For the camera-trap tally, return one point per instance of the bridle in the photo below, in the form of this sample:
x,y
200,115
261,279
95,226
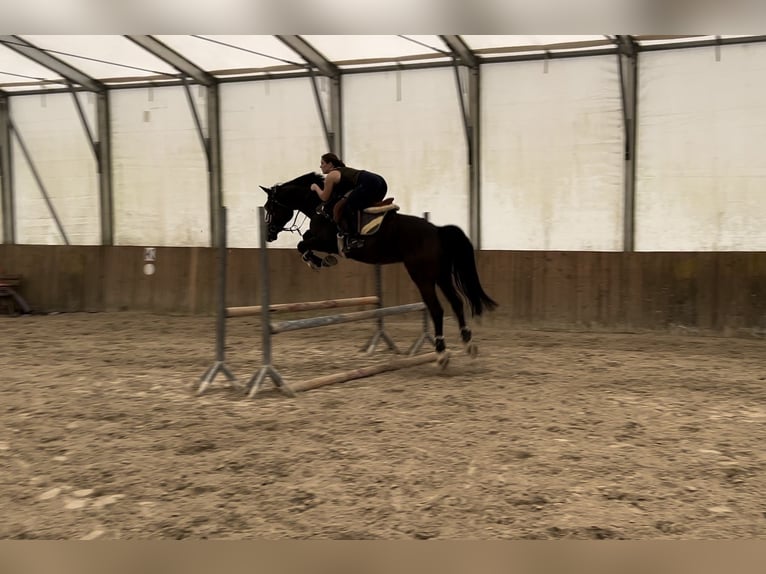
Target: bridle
x,y
294,227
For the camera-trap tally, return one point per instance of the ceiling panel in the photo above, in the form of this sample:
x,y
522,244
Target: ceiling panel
x,y
17,71
214,53
113,59
103,57
343,48
488,42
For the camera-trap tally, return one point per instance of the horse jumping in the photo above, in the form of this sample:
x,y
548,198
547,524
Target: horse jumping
x,y
432,255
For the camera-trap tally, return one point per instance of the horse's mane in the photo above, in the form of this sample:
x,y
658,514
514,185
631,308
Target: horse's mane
x,y
305,180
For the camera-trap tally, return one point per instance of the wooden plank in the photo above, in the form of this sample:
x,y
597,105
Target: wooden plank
x,y
312,322
718,291
302,306
364,372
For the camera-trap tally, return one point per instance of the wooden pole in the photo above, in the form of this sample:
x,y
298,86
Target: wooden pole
x,y
296,324
302,306
363,372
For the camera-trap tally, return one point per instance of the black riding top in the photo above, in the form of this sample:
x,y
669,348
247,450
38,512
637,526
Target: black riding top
x,y
349,177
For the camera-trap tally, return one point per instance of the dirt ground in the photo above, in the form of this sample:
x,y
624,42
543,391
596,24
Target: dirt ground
x,y
545,435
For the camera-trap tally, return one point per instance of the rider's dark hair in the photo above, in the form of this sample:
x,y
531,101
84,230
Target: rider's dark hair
x,y
333,159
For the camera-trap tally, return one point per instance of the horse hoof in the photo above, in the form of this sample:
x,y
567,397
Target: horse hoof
x,y
443,359
329,261
472,350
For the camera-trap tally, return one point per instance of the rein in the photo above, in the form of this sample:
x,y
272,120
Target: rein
x,y
294,226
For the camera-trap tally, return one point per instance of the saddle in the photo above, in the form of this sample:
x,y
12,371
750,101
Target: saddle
x,y
369,219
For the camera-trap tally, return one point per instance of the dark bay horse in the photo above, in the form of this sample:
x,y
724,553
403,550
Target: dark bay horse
x,y
432,255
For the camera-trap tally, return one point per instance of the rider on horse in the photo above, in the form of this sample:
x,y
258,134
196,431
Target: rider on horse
x,y
351,190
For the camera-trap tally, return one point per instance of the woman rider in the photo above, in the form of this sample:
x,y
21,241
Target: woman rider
x,y
353,189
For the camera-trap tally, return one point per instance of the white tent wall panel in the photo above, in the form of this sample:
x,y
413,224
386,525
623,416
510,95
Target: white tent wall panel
x,y
160,183
552,155
701,170
52,132
271,132
407,126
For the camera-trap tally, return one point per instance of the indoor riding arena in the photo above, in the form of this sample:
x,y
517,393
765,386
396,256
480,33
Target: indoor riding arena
x,y
167,373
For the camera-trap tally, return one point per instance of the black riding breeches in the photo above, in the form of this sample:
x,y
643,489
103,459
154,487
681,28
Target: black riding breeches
x,y
370,188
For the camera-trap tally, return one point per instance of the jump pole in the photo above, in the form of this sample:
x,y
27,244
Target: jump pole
x,y
303,306
219,366
364,372
311,322
267,370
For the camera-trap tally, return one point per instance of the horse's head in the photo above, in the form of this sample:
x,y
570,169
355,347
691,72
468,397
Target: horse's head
x,y
277,213
285,198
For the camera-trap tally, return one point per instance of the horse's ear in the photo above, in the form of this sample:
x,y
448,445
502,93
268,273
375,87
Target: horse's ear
x,y
266,189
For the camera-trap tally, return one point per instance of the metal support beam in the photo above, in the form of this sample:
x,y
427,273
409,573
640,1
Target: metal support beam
x,y
311,55
6,173
104,162
215,185
331,116
197,120
100,145
211,143
18,44
474,155
702,43
39,180
469,97
328,135
336,115
627,60
84,122
170,56
461,50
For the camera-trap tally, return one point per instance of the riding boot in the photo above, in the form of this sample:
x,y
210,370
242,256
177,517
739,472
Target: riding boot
x,y
353,239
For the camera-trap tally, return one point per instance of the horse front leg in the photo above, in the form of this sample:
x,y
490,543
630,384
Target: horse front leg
x,y
311,259
307,246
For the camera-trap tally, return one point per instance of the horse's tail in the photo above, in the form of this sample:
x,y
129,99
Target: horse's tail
x,y
459,249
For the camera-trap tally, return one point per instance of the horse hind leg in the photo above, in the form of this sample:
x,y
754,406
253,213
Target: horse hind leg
x,y
427,288
448,288
470,347
437,316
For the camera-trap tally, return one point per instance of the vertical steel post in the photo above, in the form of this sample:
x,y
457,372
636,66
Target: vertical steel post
x,y
474,152
6,173
215,179
104,160
627,61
